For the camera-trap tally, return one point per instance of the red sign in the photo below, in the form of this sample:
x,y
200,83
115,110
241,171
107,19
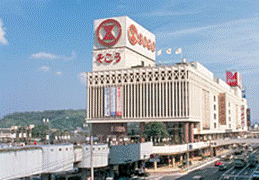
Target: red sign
x,y
108,32
135,37
118,129
108,57
233,79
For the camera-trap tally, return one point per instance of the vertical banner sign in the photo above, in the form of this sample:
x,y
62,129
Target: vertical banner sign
x,y
113,101
119,101
107,102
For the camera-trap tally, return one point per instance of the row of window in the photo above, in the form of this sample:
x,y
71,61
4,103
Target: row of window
x,y
97,148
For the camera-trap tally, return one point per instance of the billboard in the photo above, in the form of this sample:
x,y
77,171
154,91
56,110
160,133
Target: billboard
x,y
233,79
222,108
124,32
119,101
113,101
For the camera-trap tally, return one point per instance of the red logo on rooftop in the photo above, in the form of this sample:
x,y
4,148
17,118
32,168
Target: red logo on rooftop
x,y
108,32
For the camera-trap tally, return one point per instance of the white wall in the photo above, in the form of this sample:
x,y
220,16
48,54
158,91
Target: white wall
x,y
100,156
19,162
58,158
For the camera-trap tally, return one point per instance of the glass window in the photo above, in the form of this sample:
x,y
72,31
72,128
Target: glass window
x,y
215,108
215,125
215,116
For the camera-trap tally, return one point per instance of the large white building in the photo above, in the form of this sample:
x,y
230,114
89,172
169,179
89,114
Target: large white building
x,y
127,86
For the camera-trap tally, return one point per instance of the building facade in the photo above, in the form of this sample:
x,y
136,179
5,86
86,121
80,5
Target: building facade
x,y
126,86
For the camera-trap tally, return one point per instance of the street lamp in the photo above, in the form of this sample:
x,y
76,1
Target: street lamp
x,y
46,121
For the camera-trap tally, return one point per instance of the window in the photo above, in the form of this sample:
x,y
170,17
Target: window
x,y
229,126
60,149
215,108
215,116
229,119
228,104
66,149
52,150
215,125
99,148
214,98
229,111
86,149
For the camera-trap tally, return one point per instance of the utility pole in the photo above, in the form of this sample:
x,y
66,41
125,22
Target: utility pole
x,y
187,156
91,159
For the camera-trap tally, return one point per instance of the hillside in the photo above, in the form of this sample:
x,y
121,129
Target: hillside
x,y
60,119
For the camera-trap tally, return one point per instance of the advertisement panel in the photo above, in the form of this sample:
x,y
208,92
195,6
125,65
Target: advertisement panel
x,y
118,129
124,32
113,101
233,78
107,102
222,108
119,101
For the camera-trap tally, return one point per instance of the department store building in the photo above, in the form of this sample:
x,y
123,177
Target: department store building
x,y
126,86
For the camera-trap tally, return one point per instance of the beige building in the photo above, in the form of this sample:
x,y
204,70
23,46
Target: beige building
x,y
187,97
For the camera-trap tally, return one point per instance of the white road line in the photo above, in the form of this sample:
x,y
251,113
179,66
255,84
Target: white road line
x,y
241,171
225,173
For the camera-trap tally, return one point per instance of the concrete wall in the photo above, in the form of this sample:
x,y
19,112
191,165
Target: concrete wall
x,y
19,162
100,156
57,158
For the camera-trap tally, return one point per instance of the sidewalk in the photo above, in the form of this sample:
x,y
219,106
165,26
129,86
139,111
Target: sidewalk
x,y
176,169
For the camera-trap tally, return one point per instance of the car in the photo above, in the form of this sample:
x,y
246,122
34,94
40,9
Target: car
x,y
218,163
197,177
255,175
224,166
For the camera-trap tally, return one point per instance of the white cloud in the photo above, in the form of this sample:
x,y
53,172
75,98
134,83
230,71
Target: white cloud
x,y
59,73
82,77
43,55
44,68
3,40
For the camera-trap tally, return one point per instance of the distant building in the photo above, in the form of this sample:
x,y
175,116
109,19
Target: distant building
x,y
126,86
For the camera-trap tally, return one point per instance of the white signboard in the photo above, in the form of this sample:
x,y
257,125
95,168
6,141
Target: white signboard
x,y
107,102
124,32
119,101
113,101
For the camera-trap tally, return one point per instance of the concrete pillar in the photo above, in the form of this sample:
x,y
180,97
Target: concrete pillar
x,y
173,161
181,159
186,132
155,165
191,132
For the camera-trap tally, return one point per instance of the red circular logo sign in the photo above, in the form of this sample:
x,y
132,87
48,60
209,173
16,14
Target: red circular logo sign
x,y
108,32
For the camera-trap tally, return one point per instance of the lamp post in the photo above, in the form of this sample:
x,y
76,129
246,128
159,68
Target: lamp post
x,y
48,123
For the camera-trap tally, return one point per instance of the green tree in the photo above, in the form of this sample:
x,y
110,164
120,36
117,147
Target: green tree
x,y
156,130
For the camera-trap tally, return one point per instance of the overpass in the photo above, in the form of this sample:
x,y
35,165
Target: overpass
x,y
18,162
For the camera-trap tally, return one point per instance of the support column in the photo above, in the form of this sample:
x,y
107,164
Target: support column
x,y
181,159
191,132
155,165
141,130
173,161
186,132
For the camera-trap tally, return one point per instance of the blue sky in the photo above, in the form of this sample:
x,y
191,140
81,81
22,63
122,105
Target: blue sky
x,y
45,45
